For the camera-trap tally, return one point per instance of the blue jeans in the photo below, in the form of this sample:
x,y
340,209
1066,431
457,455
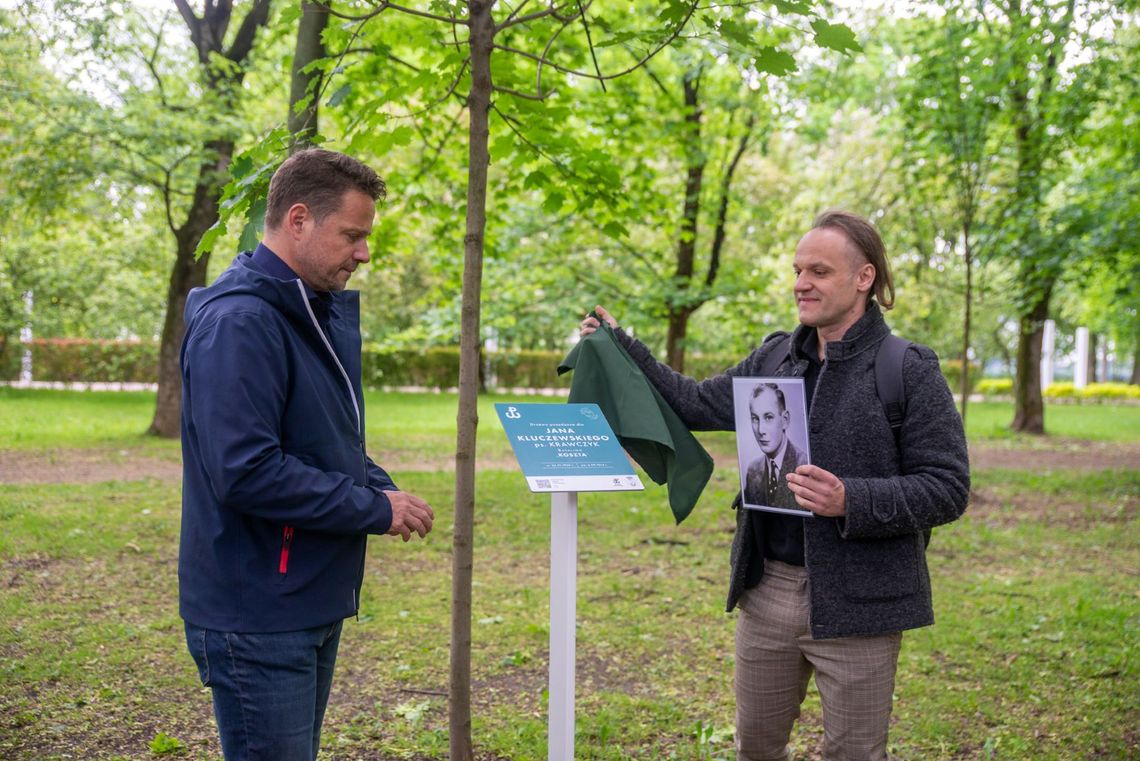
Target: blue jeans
x,y
270,690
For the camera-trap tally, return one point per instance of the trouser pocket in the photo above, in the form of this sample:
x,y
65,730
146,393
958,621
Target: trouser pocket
x,y
196,644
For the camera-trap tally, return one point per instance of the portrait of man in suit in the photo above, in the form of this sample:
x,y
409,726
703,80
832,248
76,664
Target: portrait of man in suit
x,y
765,483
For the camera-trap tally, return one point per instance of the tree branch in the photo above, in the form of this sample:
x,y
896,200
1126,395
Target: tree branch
x,y
510,20
540,97
192,22
722,210
257,16
422,14
587,75
590,43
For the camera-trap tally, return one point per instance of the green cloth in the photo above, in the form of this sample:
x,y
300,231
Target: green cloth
x,y
645,424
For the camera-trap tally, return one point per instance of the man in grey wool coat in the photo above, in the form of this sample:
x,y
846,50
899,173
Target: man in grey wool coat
x,y
831,593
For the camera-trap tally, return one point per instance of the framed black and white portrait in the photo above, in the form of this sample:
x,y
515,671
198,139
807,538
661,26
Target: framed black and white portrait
x,y
771,440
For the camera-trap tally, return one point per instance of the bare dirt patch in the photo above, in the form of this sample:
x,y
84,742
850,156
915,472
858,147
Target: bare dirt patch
x,y
76,466
83,466
1056,454
98,465
1000,507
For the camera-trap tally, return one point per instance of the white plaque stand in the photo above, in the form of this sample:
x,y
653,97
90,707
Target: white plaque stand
x,y
564,449
563,592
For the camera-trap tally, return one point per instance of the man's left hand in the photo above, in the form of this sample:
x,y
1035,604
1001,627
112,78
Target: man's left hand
x,y
817,490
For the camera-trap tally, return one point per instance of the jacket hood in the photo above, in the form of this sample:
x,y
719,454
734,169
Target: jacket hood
x,y
243,277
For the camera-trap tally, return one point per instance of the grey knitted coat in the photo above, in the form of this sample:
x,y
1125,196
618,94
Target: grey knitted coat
x,y
868,569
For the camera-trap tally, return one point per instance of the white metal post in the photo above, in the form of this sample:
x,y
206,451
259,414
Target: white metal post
x,y
26,340
1081,363
563,592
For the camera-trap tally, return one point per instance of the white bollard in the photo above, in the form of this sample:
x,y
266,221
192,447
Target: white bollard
x,y
26,340
1048,342
1081,368
563,591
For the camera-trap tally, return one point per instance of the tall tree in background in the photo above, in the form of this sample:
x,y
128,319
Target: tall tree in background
x,y
683,299
949,119
223,68
1046,100
306,75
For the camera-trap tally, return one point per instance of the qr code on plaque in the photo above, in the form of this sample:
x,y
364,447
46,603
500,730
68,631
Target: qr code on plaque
x,y
541,483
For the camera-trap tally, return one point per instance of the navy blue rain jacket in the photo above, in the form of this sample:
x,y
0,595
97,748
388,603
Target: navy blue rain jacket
x,y
278,493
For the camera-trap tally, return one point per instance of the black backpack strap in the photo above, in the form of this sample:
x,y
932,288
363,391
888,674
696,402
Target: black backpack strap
x,y
781,350
889,381
890,387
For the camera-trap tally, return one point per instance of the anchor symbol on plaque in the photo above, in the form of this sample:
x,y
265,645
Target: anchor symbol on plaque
x,y
512,413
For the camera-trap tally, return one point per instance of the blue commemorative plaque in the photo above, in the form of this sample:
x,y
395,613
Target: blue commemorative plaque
x,y
567,448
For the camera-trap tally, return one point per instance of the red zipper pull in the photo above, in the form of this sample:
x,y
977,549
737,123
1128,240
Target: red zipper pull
x,y
286,541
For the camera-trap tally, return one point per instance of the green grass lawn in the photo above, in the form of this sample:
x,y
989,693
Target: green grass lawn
x,y
424,424
1033,655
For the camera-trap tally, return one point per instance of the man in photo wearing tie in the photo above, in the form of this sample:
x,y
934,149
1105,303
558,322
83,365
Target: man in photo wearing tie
x,y
765,484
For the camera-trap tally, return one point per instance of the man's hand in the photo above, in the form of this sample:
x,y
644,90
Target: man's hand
x,y
819,491
409,513
589,324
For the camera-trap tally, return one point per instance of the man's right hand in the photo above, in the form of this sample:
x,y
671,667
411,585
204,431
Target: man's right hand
x,y
409,513
589,324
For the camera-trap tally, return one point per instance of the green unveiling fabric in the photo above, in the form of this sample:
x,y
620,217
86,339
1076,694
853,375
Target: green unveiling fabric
x,y
645,424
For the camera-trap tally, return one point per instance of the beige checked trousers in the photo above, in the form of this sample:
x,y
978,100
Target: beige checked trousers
x,y
775,657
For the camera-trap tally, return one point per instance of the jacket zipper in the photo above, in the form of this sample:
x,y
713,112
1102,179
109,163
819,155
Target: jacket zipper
x,y
335,359
286,543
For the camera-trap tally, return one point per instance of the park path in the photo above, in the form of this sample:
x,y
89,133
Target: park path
x,y
99,465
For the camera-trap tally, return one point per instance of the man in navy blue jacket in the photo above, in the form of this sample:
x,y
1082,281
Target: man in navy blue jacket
x,y
279,495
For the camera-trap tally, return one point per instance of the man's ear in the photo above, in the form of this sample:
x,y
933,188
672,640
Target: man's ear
x,y
865,277
295,218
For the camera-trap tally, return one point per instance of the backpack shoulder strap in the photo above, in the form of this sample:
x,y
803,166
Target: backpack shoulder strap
x,y
781,350
889,380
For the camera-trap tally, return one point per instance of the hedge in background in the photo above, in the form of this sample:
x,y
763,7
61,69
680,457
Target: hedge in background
x,y
1066,391
84,360
87,360
11,353
1096,392
432,368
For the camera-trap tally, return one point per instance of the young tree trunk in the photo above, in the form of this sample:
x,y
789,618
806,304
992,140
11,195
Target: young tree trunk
x,y
188,272
1029,412
310,47
675,339
1135,379
678,308
1090,360
965,390
480,40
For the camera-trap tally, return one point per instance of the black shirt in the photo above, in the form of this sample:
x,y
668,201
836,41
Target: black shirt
x,y
780,536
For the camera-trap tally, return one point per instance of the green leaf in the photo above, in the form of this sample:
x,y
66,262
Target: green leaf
x,y
254,226
835,36
164,744
501,148
615,230
402,135
341,93
554,203
793,6
210,238
774,61
291,14
536,179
